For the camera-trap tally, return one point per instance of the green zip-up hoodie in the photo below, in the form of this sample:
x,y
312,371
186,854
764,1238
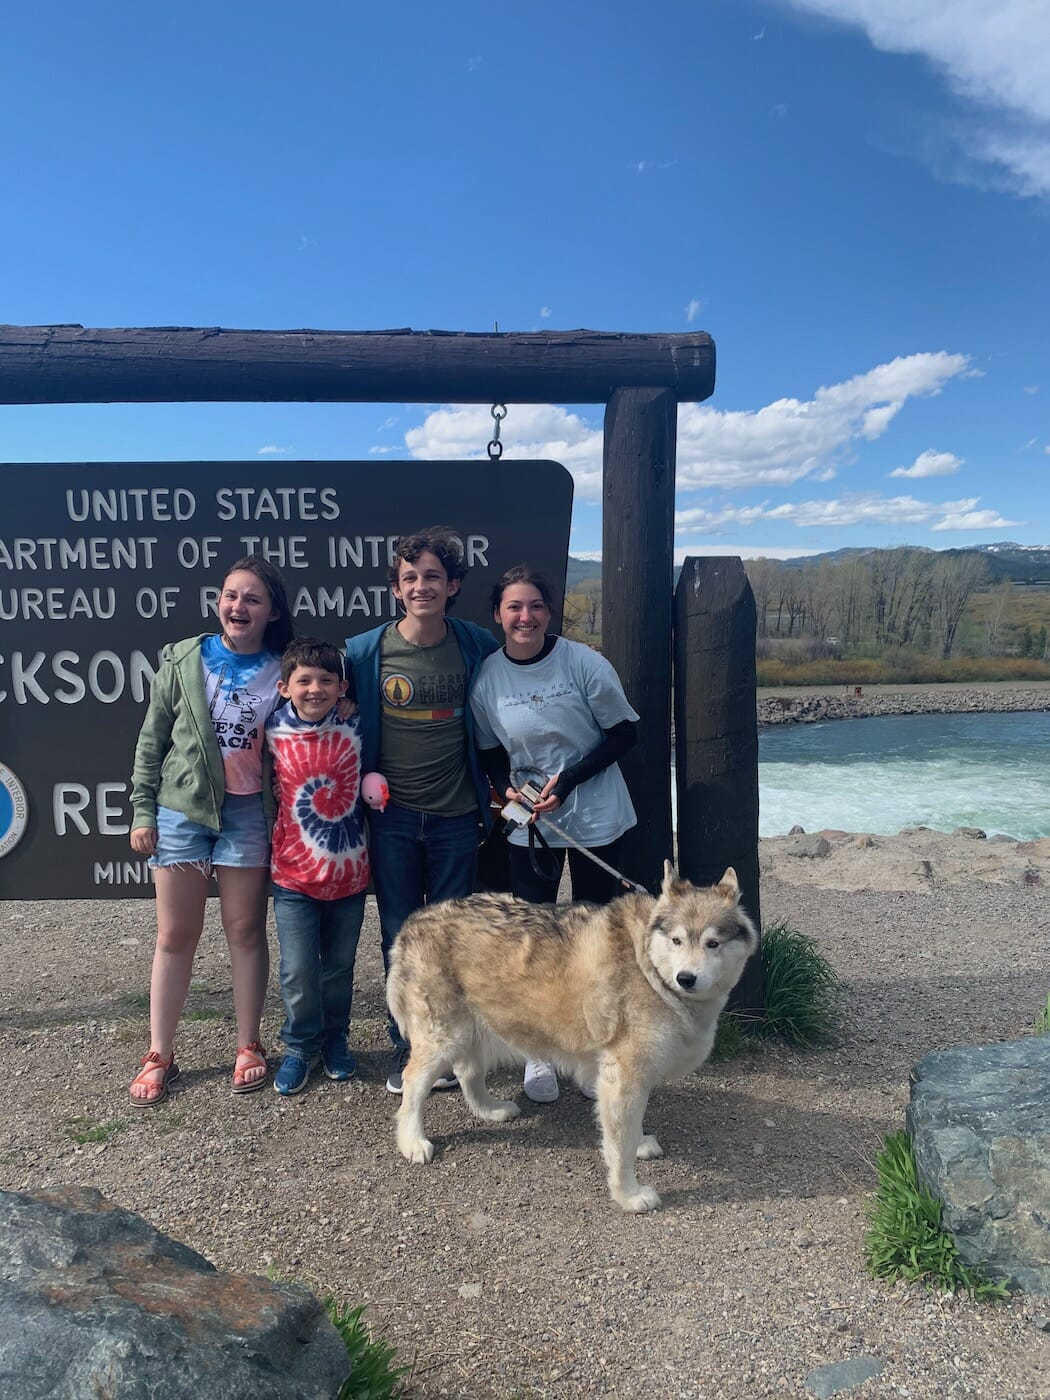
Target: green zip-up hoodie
x,y
177,760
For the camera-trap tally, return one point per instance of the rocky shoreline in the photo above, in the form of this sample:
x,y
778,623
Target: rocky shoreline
x,y
813,706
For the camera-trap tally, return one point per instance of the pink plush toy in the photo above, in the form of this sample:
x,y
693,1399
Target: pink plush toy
x,y
374,791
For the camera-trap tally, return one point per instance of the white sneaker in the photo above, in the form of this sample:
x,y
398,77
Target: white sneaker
x,y
541,1082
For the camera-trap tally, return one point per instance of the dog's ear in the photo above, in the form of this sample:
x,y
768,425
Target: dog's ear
x,y
729,886
669,877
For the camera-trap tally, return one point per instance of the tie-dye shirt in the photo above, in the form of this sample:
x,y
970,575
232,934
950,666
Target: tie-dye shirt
x,y
319,835
242,694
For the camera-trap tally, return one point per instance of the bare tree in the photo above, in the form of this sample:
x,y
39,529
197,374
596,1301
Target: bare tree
x,y
1002,597
953,579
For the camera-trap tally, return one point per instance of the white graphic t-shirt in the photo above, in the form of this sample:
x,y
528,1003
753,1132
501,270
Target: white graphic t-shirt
x,y
550,714
242,694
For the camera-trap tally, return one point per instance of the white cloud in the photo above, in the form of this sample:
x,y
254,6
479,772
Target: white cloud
x,y
930,463
791,438
693,308
272,450
545,312
529,430
975,520
856,508
1031,388
740,551
779,445
992,55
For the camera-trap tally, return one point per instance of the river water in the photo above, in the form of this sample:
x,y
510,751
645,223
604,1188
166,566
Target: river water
x,y
879,775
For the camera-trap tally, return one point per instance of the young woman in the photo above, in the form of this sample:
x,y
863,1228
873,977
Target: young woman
x,y
198,808
554,711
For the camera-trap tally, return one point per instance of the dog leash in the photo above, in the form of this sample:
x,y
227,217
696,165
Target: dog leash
x,y
558,831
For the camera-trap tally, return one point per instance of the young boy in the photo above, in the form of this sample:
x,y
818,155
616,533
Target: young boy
x,y
412,680
319,861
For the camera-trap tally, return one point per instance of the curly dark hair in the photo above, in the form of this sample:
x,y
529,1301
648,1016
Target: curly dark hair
x,y
441,541
280,631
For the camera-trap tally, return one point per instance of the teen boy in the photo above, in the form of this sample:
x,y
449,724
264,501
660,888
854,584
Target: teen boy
x,y
412,679
319,861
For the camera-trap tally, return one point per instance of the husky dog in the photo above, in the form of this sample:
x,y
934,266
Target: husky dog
x,y
622,996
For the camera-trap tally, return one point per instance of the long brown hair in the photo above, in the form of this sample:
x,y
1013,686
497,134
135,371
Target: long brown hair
x,y
279,632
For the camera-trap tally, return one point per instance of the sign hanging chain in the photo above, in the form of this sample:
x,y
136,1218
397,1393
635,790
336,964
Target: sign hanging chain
x,y
495,449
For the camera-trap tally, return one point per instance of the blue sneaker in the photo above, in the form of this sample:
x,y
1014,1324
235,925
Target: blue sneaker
x,y
336,1060
294,1072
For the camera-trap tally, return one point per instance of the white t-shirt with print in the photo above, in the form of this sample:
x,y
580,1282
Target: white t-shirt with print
x,y
548,715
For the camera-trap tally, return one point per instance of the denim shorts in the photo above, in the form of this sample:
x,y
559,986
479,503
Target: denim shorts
x,y
244,840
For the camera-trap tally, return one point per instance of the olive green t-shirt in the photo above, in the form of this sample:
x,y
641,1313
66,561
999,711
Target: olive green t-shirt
x,y
423,739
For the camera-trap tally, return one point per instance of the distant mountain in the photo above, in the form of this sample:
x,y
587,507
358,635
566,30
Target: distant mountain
x,y
1023,563
581,571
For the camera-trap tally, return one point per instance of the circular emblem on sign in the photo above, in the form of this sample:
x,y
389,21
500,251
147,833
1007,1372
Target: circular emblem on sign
x,y
14,810
398,691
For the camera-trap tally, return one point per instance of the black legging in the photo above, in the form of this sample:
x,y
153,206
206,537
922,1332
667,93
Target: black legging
x,y
589,881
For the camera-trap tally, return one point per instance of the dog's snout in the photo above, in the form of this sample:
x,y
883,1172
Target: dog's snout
x,y
686,980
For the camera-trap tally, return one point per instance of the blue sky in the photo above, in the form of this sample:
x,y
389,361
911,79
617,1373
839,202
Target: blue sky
x,y
851,196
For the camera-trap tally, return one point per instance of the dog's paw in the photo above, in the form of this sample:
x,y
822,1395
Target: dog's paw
x,y
419,1151
503,1110
648,1148
638,1202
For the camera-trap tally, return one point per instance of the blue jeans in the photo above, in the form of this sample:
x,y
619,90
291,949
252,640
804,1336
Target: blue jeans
x,y
318,939
417,858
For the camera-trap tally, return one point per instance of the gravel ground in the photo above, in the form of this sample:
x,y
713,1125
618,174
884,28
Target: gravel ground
x,y
503,1270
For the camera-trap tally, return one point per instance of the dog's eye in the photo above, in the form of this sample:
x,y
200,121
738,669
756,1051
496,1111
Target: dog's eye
x,y
676,940
712,943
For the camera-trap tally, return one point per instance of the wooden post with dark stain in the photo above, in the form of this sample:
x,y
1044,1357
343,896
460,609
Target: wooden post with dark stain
x,y
178,364
637,532
716,738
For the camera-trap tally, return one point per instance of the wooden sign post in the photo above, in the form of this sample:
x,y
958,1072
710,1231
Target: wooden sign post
x,y
716,738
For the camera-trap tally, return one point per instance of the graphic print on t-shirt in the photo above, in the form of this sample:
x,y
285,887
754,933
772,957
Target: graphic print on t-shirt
x,y
241,692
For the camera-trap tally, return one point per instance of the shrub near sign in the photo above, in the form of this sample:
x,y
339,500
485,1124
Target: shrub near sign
x,y
102,564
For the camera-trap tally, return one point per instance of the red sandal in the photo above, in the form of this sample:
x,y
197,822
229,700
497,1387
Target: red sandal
x,y
151,1064
254,1057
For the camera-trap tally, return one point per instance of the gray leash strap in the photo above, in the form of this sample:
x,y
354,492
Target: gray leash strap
x,y
639,889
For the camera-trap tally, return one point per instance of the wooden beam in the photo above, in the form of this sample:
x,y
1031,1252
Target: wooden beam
x,y
716,738
168,364
637,531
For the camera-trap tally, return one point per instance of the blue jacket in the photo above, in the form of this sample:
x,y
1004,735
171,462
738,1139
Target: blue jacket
x,y
362,656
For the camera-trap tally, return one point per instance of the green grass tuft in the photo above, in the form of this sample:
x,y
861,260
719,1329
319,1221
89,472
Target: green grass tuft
x,y
83,1131
1042,1021
802,991
905,1239
373,1375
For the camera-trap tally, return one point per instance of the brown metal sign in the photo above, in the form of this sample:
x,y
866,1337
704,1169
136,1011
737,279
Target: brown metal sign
x,y
101,564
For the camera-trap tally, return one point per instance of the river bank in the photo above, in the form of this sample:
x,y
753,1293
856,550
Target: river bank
x,y
816,704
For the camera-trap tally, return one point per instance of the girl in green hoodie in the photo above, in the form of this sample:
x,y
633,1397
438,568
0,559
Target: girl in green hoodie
x,y
197,797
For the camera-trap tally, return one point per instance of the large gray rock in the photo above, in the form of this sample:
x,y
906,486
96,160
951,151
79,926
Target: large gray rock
x,y
96,1303
979,1119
